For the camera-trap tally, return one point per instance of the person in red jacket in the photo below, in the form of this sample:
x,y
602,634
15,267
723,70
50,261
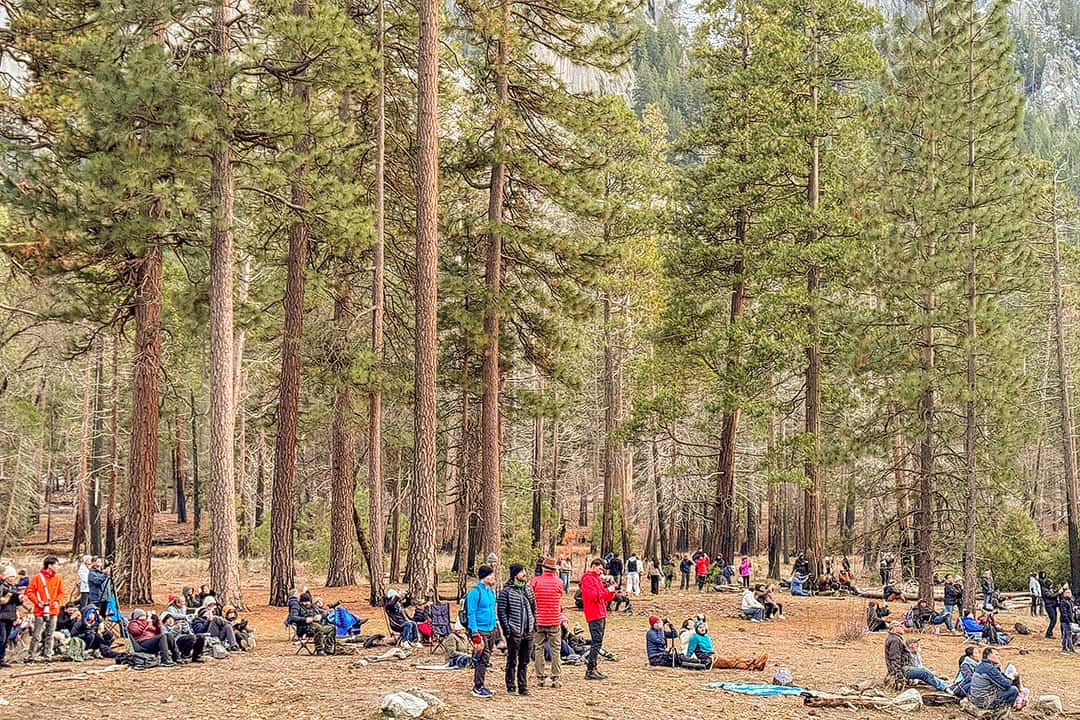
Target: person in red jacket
x,y
45,593
149,636
548,591
597,590
701,565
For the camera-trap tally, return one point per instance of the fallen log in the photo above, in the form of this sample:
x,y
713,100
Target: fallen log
x,y
852,702
42,671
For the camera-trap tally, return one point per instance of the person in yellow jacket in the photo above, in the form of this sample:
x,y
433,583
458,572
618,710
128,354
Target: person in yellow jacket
x,y
45,593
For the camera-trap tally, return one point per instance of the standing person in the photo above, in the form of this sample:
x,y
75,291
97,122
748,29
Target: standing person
x,y
846,564
10,601
652,569
596,592
954,595
84,582
45,592
515,609
701,567
1066,617
565,568
987,587
1050,603
99,586
685,566
1035,591
480,613
883,568
548,591
633,575
745,568
615,569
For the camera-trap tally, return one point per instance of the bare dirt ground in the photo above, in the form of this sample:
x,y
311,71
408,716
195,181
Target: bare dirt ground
x,y
273,682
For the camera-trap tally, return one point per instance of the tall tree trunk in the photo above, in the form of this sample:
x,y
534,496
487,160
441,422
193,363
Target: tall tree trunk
x,y
342,564
179,472
283,505
421,560
196,497
81,529
395,521
924,509
97,454
900,490
260,479
490,439
243,480
1064,382
612,448
462,504
537,478
145,396
376,481
560,522
114,450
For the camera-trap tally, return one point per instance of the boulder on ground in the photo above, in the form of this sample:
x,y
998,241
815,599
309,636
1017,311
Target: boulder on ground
x,y
412,703
909,701
1049,705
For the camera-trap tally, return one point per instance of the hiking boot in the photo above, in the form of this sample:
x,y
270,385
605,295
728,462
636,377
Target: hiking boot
x,y
594,675
541,682
483,692
556,683
523,691
512,689
199,659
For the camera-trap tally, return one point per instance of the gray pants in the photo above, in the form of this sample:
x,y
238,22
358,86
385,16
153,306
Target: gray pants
x,y
43,624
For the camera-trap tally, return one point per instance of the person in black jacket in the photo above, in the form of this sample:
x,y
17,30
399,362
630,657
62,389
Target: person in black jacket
x,y
10,600
954,596
1050,603
1067,615
99,585
515,609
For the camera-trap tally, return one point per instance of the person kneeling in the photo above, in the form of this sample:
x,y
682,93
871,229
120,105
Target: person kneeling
x,y
656,647
700,648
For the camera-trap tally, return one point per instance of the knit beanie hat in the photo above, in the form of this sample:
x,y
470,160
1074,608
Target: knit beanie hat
x,y
653,620
483,571
138,613
514,570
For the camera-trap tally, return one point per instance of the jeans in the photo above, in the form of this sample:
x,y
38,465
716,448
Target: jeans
x,y
685,584
633,583
5,632
950,610
482,658
518,654
944,618
1035,604
551,634
44,627
564,575
159,645
1066,637
1005,698
1051,614
654,584
409,633
596,635
924,675
754,614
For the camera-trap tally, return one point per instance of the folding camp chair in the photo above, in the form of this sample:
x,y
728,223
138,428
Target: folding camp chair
x,y
347,626
304,641
440,623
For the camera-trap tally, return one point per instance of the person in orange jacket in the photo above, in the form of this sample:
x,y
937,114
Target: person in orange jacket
x,y
45,593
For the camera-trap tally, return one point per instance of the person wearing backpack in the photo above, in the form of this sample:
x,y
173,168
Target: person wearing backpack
x,y
633,575
480,620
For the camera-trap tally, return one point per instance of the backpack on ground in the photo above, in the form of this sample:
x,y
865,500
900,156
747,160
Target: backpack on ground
x,y
76,650
216,648
1021,629
138,660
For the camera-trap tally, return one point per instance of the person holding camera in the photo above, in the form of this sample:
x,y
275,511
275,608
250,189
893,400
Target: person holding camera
x,y
597,590
45,591
10,600
98,580
656,646
149,636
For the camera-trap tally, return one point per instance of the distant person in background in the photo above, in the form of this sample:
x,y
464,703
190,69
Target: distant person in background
x,y
652,570
84,582
1035,592
633,575
685,566
701,566
1050,603
99,586
954,595
1066,616
565,569
987,587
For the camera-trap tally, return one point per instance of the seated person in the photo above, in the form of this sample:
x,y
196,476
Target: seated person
x,y
204,592
843,581
992,632
456,647
892,594
400,622
620,599
207,621
922,614
768,599
798,585
244,634
148,636
189,644
990,687
826,583
686,631
752,607
876,613
961,686
700,648
422,617
309,622
656,647
903,662
177,608
89,630
802,565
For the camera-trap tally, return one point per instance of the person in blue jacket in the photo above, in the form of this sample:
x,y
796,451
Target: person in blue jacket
x,y
991,688
480,615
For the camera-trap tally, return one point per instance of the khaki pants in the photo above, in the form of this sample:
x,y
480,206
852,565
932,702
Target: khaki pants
x,y
553,635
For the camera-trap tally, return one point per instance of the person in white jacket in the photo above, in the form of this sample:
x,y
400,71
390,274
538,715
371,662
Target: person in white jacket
x,y
1035,590
751,607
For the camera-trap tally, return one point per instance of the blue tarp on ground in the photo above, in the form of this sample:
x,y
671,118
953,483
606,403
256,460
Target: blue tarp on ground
x,y
758,689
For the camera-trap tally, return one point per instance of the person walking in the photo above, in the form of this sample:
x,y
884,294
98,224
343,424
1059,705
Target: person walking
x,y
652,569
597,591
84,582
45,592
633,575
480,614
745,568
548,592
515,609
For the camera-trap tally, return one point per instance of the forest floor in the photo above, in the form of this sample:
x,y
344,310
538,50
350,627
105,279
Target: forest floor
x,y
274,682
